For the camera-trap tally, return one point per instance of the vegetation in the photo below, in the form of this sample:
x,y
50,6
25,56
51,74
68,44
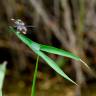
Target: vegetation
x,y
37,48
65,24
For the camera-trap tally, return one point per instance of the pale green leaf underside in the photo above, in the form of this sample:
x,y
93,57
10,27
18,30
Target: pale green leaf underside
x,y
2,74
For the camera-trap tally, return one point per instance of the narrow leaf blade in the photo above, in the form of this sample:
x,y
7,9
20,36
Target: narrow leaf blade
x,y
53,65
57,51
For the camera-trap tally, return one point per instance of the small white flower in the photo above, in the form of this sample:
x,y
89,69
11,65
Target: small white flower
x,y
20,25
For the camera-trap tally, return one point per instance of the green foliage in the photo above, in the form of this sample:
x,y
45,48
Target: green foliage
x,y
53,65
38,48
2,75
34,78
57,51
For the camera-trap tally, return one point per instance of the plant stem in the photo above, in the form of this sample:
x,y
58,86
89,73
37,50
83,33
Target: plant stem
x,y
34,78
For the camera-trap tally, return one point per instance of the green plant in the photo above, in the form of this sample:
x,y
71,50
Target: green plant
x,y
34,78
2,75
38,48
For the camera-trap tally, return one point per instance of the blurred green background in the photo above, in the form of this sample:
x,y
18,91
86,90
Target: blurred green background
x,y
66,24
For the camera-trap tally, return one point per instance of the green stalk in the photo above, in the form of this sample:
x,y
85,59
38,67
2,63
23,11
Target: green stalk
x,y
34,78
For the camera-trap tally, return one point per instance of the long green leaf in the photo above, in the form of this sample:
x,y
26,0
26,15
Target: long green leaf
x,y
61,52
57,51
53,65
